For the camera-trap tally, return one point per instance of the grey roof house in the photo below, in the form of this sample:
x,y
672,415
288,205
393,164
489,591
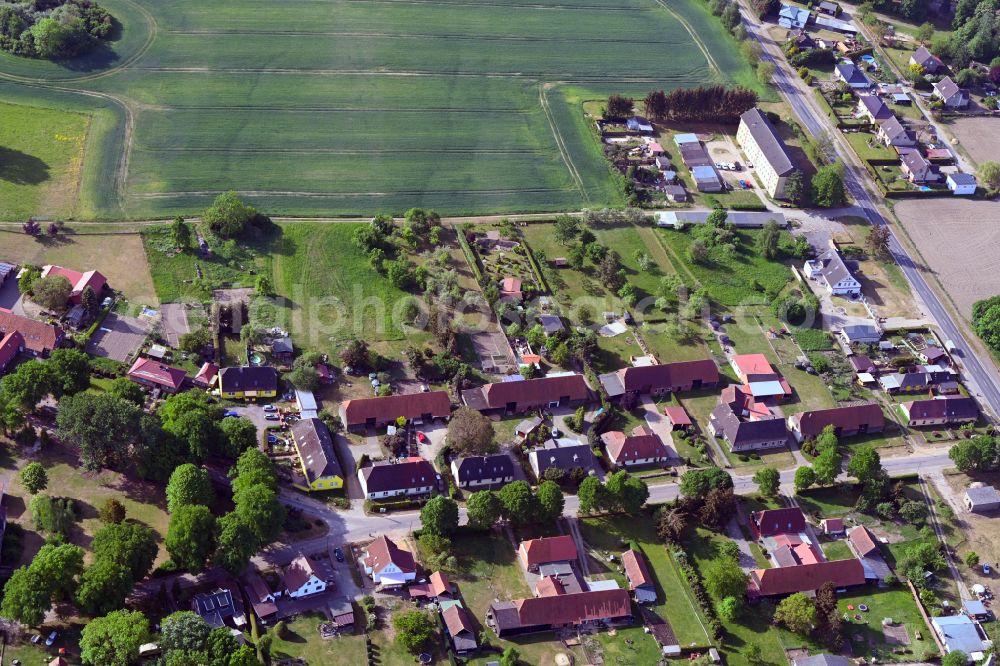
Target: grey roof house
x,y
892,133
982,498
747,435
852,76
829,269
930,62
948,92
564,454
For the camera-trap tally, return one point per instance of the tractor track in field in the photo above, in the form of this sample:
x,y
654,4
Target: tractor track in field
x,y
694,37
528,76
563,152
512,5
416,35
327,195
344,151
336,109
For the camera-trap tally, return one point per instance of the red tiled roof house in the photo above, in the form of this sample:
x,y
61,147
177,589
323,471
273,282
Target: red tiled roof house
x,y
536,552
565,611
79,281
642,447
519,396
388,564
377,412
847,421
11,344
39,338
640,580
154,374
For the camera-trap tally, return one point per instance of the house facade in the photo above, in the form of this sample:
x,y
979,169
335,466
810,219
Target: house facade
x,y
378,412
640,580
640,448
830,270
247,382
301,579
948,92
940,411
661,379
766,150
414,477
582,610
847,421
564,454
520,395
478,472
388,564
981,499
318,461
961,184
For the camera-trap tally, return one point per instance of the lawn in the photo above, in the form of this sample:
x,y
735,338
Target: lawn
x,y
303,642
868,147
341,108
896,603
126,267
730,280
833,502
837,550
754,624
611,535
144,502
41,152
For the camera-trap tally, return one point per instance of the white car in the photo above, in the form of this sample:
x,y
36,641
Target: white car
x,y
270,408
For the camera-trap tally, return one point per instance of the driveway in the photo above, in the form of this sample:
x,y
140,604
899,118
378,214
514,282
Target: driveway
x,y
660,425
436,433
348,456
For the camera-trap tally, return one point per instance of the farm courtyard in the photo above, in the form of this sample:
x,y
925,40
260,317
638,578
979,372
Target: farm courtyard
x,y
348,107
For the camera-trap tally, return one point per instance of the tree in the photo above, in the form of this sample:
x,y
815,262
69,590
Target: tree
x,y
112,511
252,468
240,434
655,105
26,597
191,536
101,426
180,233
795,187
866,466
258,506
697,252
34,478
610,271
228,216
972,559
626,493
697,483
955,658
510,657
184,631
132,545
978,454
753,654
53,515
104,587
828,186
618,106
69,372
439,516
550,501
729,608
768,480
718,508
196,341
189,484
827,467
471,433
877,242
593,495
88,301
51,292
724,578
414,630
797,612
237,543
483,509
671,523
519,504
925,32
114,640
59,566
127,390
989,173
565,229
804,477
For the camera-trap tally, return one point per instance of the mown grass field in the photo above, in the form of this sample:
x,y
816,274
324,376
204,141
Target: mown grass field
x,y
41,152
349,107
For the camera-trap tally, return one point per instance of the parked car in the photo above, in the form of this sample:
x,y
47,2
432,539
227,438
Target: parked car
x,y
422,438
743,184
51,639
270,408
986,569
271,417
339,554
271,439
230,412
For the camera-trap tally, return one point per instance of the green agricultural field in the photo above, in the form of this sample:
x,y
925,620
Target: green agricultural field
x,y
346,107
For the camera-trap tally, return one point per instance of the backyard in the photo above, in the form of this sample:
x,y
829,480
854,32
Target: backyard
x,y
302,641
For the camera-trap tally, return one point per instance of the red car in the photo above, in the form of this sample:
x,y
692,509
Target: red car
x,y
422,438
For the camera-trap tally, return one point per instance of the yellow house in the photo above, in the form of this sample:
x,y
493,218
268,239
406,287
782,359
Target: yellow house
x,y
320,468
246,383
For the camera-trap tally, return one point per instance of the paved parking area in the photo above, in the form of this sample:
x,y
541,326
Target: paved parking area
x,y
119,337
174,323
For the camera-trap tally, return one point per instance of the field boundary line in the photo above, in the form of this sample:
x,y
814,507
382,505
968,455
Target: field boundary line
x,y
563,152
291,193
694,37
406,35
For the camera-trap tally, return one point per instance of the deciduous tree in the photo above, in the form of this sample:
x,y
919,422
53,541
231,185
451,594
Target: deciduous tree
x,y
102,426
34,478
114,640
471,433
415,630
724,578
229,216
519,504
51,292
768,480
804,477
191,536
483,509
439,516
550,501
797,612
189,484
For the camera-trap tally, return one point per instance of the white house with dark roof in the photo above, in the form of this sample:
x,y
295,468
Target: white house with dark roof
x,y
830,270
917,168
873,108
893,133
764,147
849,73
948,92
961,184
477,472
301,579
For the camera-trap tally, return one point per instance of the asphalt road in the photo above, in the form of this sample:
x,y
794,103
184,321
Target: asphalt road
x,y
817,124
